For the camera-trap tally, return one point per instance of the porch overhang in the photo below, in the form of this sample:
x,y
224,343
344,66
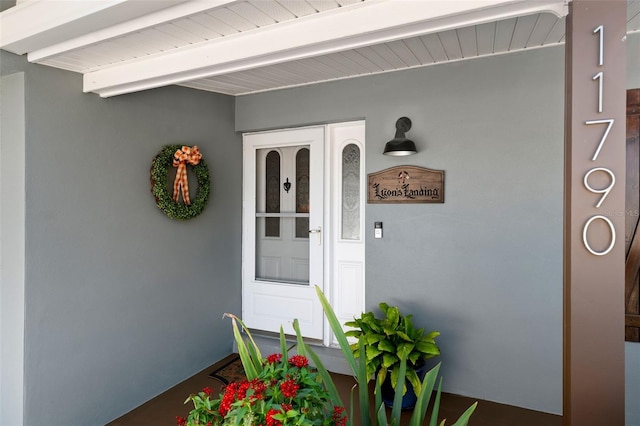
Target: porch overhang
x,y
95,38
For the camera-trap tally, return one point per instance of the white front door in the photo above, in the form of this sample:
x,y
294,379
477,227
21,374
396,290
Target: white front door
x,y
283,225
303,214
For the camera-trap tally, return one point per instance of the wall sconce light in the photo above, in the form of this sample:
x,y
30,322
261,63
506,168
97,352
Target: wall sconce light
x,y
400,145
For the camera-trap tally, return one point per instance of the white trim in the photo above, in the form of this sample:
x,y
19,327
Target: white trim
x,y
327,289
127,27
35,24
12,249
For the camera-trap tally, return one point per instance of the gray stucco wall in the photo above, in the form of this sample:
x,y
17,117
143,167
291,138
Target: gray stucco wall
x,y
485,267
121,301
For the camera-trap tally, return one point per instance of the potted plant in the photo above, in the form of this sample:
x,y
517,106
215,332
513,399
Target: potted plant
x,y
385,341
275,377
358,367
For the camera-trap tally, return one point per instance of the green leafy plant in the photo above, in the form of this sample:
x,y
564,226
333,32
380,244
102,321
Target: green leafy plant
x,y
279,390
386,340
359,370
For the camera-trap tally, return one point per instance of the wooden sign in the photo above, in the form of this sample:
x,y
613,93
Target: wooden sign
x,y
406,184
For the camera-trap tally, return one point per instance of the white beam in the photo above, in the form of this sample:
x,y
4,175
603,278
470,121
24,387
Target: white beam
x,y
166,15
337,30
35,24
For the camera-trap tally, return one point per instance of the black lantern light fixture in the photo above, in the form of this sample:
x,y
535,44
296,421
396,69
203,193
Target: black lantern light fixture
x,y
400,145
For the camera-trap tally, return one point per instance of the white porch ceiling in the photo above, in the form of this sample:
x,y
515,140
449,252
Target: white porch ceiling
x,y
239,47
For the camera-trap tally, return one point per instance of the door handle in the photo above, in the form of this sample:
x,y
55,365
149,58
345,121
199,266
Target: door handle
x,y
318,231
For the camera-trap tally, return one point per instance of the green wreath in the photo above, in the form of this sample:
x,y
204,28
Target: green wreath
x,y
164,200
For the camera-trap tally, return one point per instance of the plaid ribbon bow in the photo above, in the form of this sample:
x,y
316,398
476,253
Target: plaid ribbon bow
x,y
190,155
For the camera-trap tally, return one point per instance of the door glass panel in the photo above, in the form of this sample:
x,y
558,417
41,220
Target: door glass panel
x,y
350,192
302,192
282,222
272,194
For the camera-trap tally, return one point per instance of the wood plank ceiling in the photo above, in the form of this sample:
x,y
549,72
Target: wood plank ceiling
x,y
178,31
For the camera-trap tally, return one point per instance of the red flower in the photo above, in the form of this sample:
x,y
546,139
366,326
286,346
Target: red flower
x,y
286,407
242,389
259,389
207,390
299,361
338,417
181,421
270,420
228,398
289,388
274,358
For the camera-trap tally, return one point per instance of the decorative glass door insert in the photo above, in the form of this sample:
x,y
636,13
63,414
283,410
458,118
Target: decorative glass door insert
x,y
282,214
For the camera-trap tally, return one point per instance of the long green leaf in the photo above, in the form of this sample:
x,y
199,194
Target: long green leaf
x,y
283,344
338,331
247,332
464,418
349,420
301,344
422,402
363,389
436,405
326,378
381,416
253,350
249,367
378,403
305,349
396,410
359,372
256,357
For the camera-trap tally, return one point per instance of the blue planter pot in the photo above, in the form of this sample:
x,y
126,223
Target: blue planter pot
x,y
410,398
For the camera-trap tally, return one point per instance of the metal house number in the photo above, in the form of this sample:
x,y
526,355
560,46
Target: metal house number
x,y
599,77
